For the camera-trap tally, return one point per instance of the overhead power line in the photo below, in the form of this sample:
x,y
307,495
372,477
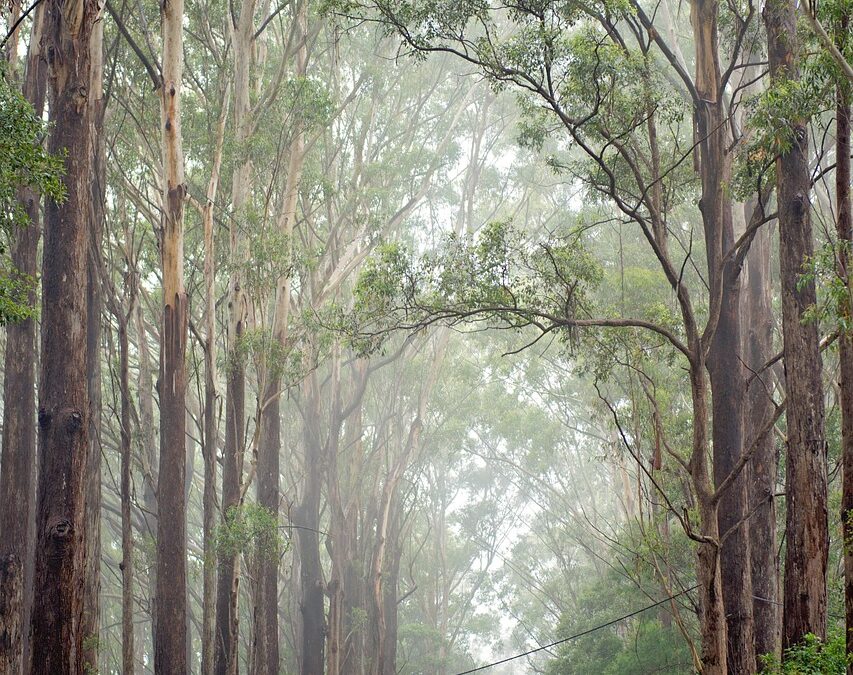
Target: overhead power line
x,y
577,635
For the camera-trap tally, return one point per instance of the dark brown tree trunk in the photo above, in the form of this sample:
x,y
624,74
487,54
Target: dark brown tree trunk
x,y
807,536
17,472
170,641
758,349
844,228
61,548
11,611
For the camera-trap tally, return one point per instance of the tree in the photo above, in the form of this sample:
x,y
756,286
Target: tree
x,y
61,547
170,641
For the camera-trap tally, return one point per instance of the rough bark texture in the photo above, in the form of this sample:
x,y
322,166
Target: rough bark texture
x,y
170,642
17,472
60,563
807,536
844,228
11,611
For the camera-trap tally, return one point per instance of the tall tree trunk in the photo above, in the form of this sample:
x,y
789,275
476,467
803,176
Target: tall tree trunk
x,y
724,361
758,349
225,652
211,434
844,228
91,603
266,649
17,472
61,547
807,535
170,642
307,516
126,566
148,460
11,611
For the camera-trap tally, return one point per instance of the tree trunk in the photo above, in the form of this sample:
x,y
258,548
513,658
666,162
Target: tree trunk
x,y
126,524
844,228
170,643
758,349
11,611
724,361
225,652
91,602
61,548
211,434
17,472
308,520
807,536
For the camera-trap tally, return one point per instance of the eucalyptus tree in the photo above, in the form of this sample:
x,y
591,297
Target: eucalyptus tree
x,y
61,537
640,172
18,467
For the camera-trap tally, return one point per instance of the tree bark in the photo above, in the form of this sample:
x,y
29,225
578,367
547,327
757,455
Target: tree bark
x,y
844,229
61,547
807,536
17,472
170,643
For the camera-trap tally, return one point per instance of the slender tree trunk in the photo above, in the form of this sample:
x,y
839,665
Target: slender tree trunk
x,y
308,519
211,434
17,472
807,535
266,656
225,652
170,642
758,349
844,228
91,603
126,566
61,546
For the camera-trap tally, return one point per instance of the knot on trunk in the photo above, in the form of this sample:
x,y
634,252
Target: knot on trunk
x,y
44,418
60,532
73,422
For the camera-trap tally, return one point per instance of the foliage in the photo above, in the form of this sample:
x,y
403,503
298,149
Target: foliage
x,y
495,277
811,657
246,525
24,163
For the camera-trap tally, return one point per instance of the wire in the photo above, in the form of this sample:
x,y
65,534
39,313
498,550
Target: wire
x,y
577,635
